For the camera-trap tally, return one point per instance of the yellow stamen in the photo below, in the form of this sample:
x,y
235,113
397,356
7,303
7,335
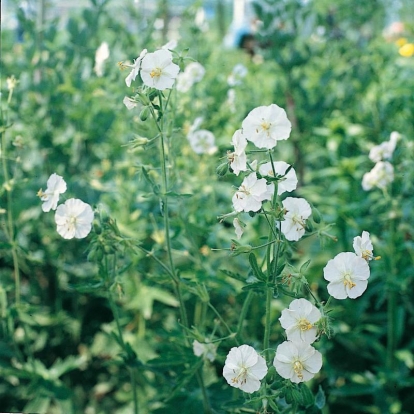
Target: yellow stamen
x,y
156,73
298,368
122,65
242,377
348,281
304,324
40,193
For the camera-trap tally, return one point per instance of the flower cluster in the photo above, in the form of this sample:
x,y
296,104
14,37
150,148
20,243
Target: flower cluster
x,y
348,272
264,127
383,172
74,217
295,358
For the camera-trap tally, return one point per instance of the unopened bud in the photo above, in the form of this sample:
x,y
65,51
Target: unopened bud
x,y
143,116
222,169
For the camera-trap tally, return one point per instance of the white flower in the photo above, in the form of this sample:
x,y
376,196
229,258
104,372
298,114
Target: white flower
x,y
55,185
237,158
395,137
238,73
384,150
196,71
195,125
101,54
244,368
288,183
184,83
202,142
297,361
251,193
171,45
74,219
380,176
348,275
158,70
135,68
238,228
192,74
297,211
299,321
129,103
206,350
363,246
266,125
231,100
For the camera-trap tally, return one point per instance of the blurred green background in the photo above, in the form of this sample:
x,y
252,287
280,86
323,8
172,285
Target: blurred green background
x,y
344,72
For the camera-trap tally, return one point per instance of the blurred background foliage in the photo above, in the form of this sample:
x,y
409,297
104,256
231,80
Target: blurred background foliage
x,y
335,66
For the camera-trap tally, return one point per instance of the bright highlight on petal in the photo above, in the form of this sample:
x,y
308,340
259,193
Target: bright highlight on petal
x,y
288,183
266,125
294,224
251,194
380,176
74,219
158,70
347,275
297,361
363,246
244,368
55,185
237,158
299,321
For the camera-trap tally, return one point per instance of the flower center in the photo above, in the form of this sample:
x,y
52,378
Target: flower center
x,y
156,73
298,220
367,255
304,324
298,368
244,190
348,280
266,126
231,156
242,376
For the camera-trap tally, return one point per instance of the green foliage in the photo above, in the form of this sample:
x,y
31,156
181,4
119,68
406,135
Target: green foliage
x,y
86,323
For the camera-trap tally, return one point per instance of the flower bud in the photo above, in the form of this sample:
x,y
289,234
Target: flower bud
x,y
143,116
222,169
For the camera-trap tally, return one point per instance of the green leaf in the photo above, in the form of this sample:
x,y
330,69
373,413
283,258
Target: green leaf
x,y
320,399
307,395
257,287
185,378
61,367
174,194
155,187
255,267
88,286
233,275
38,404
304,266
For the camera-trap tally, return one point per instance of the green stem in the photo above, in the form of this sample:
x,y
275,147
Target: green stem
x,y
175,278
10,226
220,318
243,314
266,339
391,302
115,313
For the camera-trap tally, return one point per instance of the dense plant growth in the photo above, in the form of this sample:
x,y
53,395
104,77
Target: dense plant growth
x,y
207,230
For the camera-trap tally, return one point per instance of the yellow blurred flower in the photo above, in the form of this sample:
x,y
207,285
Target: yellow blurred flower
x,y
401,41
407,50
